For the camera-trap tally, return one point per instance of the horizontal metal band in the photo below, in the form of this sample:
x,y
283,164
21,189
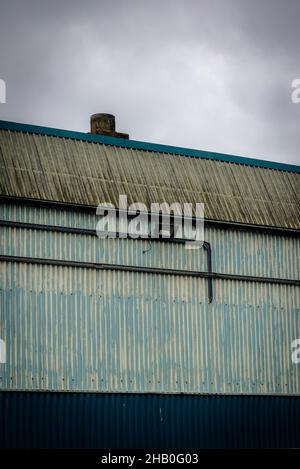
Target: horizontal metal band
x,y
84,231
151,270
88,232
275,230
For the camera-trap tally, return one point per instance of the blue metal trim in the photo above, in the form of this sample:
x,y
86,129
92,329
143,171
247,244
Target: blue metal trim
x,y
147,146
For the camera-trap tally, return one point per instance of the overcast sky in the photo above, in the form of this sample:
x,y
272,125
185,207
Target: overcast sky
x,y
214,75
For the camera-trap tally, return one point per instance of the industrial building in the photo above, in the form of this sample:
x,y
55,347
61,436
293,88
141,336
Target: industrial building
x,y
138,343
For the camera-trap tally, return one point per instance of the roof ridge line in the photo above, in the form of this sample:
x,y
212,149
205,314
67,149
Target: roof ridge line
x,y
147,146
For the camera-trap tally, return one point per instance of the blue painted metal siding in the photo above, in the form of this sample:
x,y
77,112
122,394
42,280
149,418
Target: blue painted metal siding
x,y
80,329
233,251
75,420
109,331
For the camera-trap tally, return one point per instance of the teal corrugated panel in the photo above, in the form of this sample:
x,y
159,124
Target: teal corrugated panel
x,y
80,329
233,251
89,330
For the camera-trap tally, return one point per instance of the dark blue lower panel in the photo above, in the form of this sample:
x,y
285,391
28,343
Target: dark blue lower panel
x,y
79,420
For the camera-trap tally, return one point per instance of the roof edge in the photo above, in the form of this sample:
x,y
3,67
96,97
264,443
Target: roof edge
x,y
147,146
56,204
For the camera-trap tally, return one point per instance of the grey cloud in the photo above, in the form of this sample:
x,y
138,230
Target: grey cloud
x,y
213,75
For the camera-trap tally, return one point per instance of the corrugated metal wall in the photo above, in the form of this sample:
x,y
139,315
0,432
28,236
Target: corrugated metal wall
x,y
233,251
83,329
74,420
120,336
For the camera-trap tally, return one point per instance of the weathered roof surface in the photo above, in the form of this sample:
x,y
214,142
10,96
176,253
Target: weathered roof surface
x,y
54,166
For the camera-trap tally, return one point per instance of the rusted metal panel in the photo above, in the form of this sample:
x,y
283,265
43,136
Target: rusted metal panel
x,y
62,169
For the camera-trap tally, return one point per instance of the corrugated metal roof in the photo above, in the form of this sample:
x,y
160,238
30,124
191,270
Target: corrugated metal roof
x,y
82,172
139,145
